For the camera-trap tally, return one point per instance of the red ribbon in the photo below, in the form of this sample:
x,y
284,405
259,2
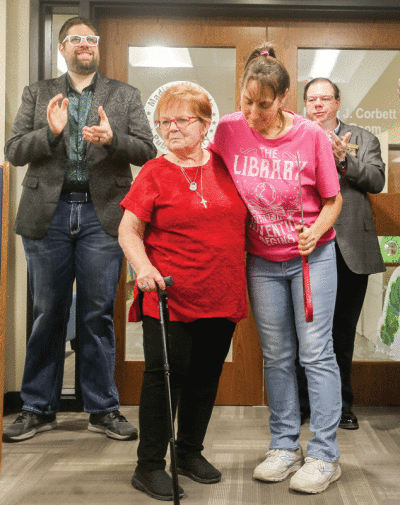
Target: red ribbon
x,y
308,303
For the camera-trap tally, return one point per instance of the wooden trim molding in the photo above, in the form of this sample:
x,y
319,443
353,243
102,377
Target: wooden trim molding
x,y
376,382
356,9
5,203
386,212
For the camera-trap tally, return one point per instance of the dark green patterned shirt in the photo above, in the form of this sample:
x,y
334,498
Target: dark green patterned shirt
x,y
79,106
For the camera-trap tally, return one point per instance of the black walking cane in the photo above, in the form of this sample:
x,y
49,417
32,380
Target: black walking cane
x,y
163,306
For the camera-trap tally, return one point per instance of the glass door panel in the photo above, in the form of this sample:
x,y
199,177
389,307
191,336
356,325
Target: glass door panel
x,y
154,69
367,80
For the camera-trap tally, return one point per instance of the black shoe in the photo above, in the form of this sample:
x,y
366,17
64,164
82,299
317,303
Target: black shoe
x,y
157,484
304,415
114,425
27,424
197,468
348,421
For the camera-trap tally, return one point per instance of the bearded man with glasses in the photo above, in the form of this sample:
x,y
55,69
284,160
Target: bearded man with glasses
x,y
78,134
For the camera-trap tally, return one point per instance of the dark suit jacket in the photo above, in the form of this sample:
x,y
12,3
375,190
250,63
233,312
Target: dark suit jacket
x,y
355,227
110,175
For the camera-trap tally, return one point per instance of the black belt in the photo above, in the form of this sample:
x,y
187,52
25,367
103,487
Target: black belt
x,y
74,197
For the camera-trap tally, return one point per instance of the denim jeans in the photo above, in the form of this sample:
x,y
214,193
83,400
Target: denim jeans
x,y
276,296
349,301
76,246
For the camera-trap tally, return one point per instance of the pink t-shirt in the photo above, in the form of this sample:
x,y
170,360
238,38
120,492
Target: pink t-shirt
x,y
266,176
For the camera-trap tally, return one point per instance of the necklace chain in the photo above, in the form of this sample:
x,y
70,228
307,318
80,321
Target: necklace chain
x,y
193,184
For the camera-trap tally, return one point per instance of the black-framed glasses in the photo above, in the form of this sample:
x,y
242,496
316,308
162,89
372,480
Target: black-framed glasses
x,y
76,40
180,122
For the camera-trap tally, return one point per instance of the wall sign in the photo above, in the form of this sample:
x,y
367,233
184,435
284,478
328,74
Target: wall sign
x,y
151,106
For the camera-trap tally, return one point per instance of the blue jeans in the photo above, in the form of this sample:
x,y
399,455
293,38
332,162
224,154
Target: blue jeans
x,y
276,296
76,246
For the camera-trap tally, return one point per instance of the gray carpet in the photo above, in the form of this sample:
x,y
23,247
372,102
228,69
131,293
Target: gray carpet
x,y
72,466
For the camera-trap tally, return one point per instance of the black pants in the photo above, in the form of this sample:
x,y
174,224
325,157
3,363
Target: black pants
x,y
196,353
349,301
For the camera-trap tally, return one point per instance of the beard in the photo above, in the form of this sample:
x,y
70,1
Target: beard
x,y
85,67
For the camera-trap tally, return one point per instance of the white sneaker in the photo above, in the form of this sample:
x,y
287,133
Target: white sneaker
x,y
279,464
315,476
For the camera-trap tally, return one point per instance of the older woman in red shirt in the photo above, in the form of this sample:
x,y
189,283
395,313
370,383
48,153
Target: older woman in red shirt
x,y
183,217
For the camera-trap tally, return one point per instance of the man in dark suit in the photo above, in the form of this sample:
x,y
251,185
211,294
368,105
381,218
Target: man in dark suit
x,y
361,171
78,134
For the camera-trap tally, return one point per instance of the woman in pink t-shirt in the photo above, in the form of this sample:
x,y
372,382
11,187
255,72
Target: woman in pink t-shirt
x,y
260,146
183,217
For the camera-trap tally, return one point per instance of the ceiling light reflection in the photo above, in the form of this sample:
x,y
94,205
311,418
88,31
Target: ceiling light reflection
x,y
160,56
324,61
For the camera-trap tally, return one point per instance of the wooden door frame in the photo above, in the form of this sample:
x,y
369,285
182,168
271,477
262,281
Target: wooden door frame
x,y
4,234
369,378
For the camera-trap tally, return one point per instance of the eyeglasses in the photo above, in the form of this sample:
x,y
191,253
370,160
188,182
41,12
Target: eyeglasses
x,y
180,122
76,40
324,99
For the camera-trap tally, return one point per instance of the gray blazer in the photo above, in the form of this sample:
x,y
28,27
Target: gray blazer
x,y
110,175
355,227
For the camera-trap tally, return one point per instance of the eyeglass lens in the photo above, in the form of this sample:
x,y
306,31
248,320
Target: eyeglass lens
x,y
76,40
180,122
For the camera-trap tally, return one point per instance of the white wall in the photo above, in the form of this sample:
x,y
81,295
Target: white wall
x,y
14,58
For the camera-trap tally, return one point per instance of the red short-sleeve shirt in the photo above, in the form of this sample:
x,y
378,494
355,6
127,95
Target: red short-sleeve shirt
x,y
202,248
